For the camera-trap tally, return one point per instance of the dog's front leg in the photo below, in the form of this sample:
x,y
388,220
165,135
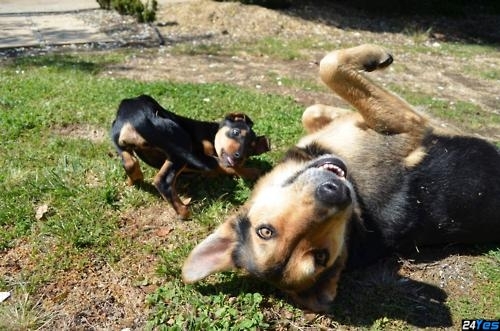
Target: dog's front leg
x,y
165,181
243,172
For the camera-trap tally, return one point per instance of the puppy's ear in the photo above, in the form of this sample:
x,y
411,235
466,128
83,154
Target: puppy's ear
x,y
261,145
214,254
241,117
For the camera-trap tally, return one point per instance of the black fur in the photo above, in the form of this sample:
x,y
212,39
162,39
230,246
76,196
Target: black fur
x,y
452,196
176,135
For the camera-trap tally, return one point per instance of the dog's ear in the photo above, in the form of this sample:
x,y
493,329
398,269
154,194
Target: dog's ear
x,y
212,255
239,117
261,145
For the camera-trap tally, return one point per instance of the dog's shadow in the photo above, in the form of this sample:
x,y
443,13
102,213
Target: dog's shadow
x,y
205,190
378,292
375,293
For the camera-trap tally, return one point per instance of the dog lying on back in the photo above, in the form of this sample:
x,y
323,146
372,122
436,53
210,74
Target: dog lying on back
x,y
356,188
175,144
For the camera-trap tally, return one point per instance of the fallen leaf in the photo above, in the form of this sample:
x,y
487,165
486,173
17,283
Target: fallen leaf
x,y
41,211
164,231
4,296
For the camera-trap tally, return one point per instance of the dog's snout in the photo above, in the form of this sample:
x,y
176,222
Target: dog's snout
x,y
333,193
327,192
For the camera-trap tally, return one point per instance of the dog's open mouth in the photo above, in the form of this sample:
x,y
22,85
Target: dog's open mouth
x,y
333,165
228,160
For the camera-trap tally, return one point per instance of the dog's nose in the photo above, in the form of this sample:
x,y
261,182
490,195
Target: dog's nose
x,y
333,193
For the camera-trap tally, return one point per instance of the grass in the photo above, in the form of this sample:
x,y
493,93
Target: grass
x,y
457,112
80,183
488,275
272,47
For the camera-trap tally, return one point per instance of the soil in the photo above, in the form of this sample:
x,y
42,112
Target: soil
x,y
121,303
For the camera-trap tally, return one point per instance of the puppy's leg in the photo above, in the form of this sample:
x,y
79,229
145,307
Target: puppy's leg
x,y
317,116
165,181
381,110
132,167
247,173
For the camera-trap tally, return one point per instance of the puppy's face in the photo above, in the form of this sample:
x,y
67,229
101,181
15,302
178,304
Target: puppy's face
x,y
290,233
236,141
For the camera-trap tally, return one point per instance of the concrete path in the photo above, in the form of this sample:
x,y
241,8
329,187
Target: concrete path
x,y
27,23
39,23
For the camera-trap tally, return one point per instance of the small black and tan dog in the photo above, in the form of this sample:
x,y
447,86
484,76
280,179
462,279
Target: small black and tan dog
x,y
357,187
175,144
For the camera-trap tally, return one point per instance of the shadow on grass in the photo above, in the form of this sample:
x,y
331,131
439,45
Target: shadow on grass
x,y
364,296
452,20
211,188
62,62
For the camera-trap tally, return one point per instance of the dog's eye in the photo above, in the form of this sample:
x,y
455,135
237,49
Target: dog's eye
x,y
321,257
235,132
265,232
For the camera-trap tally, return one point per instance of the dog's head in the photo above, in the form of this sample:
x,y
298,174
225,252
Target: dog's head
x,y
290,233
236,141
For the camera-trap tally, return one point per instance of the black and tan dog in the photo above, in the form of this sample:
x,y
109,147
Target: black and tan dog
x,y
357,187
175,144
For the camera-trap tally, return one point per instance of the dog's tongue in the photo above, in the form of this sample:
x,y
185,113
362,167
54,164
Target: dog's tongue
x,y
230,160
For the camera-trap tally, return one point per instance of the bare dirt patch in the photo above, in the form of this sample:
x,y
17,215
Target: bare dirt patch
x,y
105,296
93,133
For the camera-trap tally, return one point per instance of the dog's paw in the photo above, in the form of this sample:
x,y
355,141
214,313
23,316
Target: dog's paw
x,y
134,181
365,57
183,213
374,57
315,302
250,173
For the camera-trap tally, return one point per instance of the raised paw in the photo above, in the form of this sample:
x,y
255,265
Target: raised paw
x,y
367,57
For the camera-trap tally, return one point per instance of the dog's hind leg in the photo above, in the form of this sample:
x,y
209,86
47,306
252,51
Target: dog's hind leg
x,y
381,110
132,167
165,181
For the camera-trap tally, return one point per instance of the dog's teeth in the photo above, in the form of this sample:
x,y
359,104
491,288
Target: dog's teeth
x,y
333,168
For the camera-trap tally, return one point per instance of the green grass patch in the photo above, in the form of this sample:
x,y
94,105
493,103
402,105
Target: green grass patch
x,y
458,50
76,180
486,301
273,47
461,113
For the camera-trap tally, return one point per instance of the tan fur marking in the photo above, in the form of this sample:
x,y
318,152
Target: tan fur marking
x,y
130,137
132,168
208,148
415,157
223,142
